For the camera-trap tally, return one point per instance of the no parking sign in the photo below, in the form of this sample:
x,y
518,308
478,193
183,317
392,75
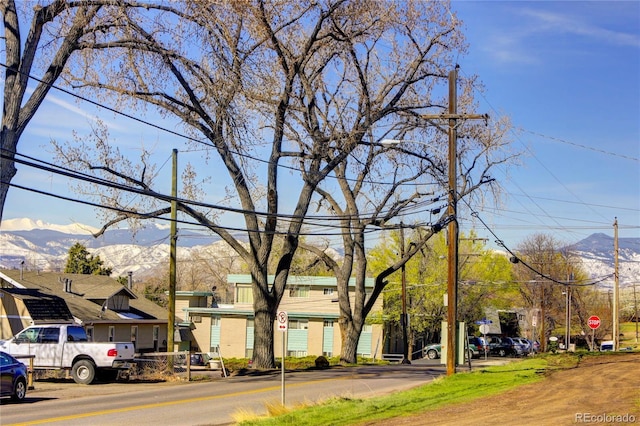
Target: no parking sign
x,y
283,321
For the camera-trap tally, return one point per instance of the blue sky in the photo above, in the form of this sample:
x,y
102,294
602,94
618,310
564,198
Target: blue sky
x,y
568,75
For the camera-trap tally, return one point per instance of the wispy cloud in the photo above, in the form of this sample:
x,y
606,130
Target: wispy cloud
x,y
518,42
73,108
548,21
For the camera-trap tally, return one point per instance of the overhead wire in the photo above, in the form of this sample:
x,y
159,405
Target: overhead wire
x,y
310,220
544,213
161,128
517,259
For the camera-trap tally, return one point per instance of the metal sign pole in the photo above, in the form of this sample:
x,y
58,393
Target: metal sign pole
x,y
284,347
283,326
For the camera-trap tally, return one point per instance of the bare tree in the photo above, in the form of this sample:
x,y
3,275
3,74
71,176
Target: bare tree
x,y
267,85
56,31
395,187
546,269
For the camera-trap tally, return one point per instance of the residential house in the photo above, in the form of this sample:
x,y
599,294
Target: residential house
x,y
108,310
311,306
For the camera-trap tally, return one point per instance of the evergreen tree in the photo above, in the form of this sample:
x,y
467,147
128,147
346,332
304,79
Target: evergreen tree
x,y
80,261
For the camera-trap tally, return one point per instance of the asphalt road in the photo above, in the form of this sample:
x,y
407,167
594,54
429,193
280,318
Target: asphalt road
x,y
205,403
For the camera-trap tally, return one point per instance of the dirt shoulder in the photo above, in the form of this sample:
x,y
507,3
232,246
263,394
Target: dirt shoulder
x,y
600,390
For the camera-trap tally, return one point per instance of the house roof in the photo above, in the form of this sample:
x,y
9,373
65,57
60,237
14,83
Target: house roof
x,y
41,306
85,295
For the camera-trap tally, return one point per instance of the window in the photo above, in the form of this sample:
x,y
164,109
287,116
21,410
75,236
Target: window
x,y
156,336
134,334
299,291
30,335
328,323
244,293
248,351
90,333
298,324
49,335
328,291
112,333
76,334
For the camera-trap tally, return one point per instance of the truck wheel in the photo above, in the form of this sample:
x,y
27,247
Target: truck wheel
x,y
83,372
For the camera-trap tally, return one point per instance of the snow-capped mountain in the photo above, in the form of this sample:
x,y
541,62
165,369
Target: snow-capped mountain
x,y
597,254
44,246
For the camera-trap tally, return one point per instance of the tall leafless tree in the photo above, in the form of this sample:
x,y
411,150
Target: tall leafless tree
x,y
56,31
412,195
551,268
267,85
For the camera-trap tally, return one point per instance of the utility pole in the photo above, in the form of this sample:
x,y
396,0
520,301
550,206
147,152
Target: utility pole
x,y
452,234
567,337
635,307
403,318
172,256
616,295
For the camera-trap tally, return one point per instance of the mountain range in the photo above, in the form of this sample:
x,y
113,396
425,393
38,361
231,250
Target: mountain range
x,y
45,246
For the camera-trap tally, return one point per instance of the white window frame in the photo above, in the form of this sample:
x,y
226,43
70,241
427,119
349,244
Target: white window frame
x,y
244,294
299,292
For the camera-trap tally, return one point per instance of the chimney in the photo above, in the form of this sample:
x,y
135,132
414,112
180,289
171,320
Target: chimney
x,y
130,280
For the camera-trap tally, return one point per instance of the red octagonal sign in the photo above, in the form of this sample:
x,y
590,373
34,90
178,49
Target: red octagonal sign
x,y
594,322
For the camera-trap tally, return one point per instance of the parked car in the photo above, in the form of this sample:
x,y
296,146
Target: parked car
x,y
480,344
606,345
535,346
474,351
66,346
503,346
527,345
198,359
13,376
433,351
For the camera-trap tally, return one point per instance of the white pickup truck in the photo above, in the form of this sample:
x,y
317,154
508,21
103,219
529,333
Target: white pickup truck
x,y
65,346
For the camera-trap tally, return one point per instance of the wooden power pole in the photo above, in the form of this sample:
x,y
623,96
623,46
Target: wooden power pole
x,y
452,238
172,256
616,291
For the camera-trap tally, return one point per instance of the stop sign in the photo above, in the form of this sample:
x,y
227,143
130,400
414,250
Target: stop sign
x,y
594,322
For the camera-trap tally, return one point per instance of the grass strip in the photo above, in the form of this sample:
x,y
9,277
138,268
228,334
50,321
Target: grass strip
x,y
461,387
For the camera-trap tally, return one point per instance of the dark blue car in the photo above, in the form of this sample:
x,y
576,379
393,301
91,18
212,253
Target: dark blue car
x,y
14,377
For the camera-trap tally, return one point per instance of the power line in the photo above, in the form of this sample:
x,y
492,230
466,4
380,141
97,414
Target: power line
x,y
172,132
527,148
577,145
516,259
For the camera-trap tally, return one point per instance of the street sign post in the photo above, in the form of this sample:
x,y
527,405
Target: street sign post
x,y
484,329
283,325
594,323
283,321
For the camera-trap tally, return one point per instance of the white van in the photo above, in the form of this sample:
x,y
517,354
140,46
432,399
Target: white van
x,y
606,345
